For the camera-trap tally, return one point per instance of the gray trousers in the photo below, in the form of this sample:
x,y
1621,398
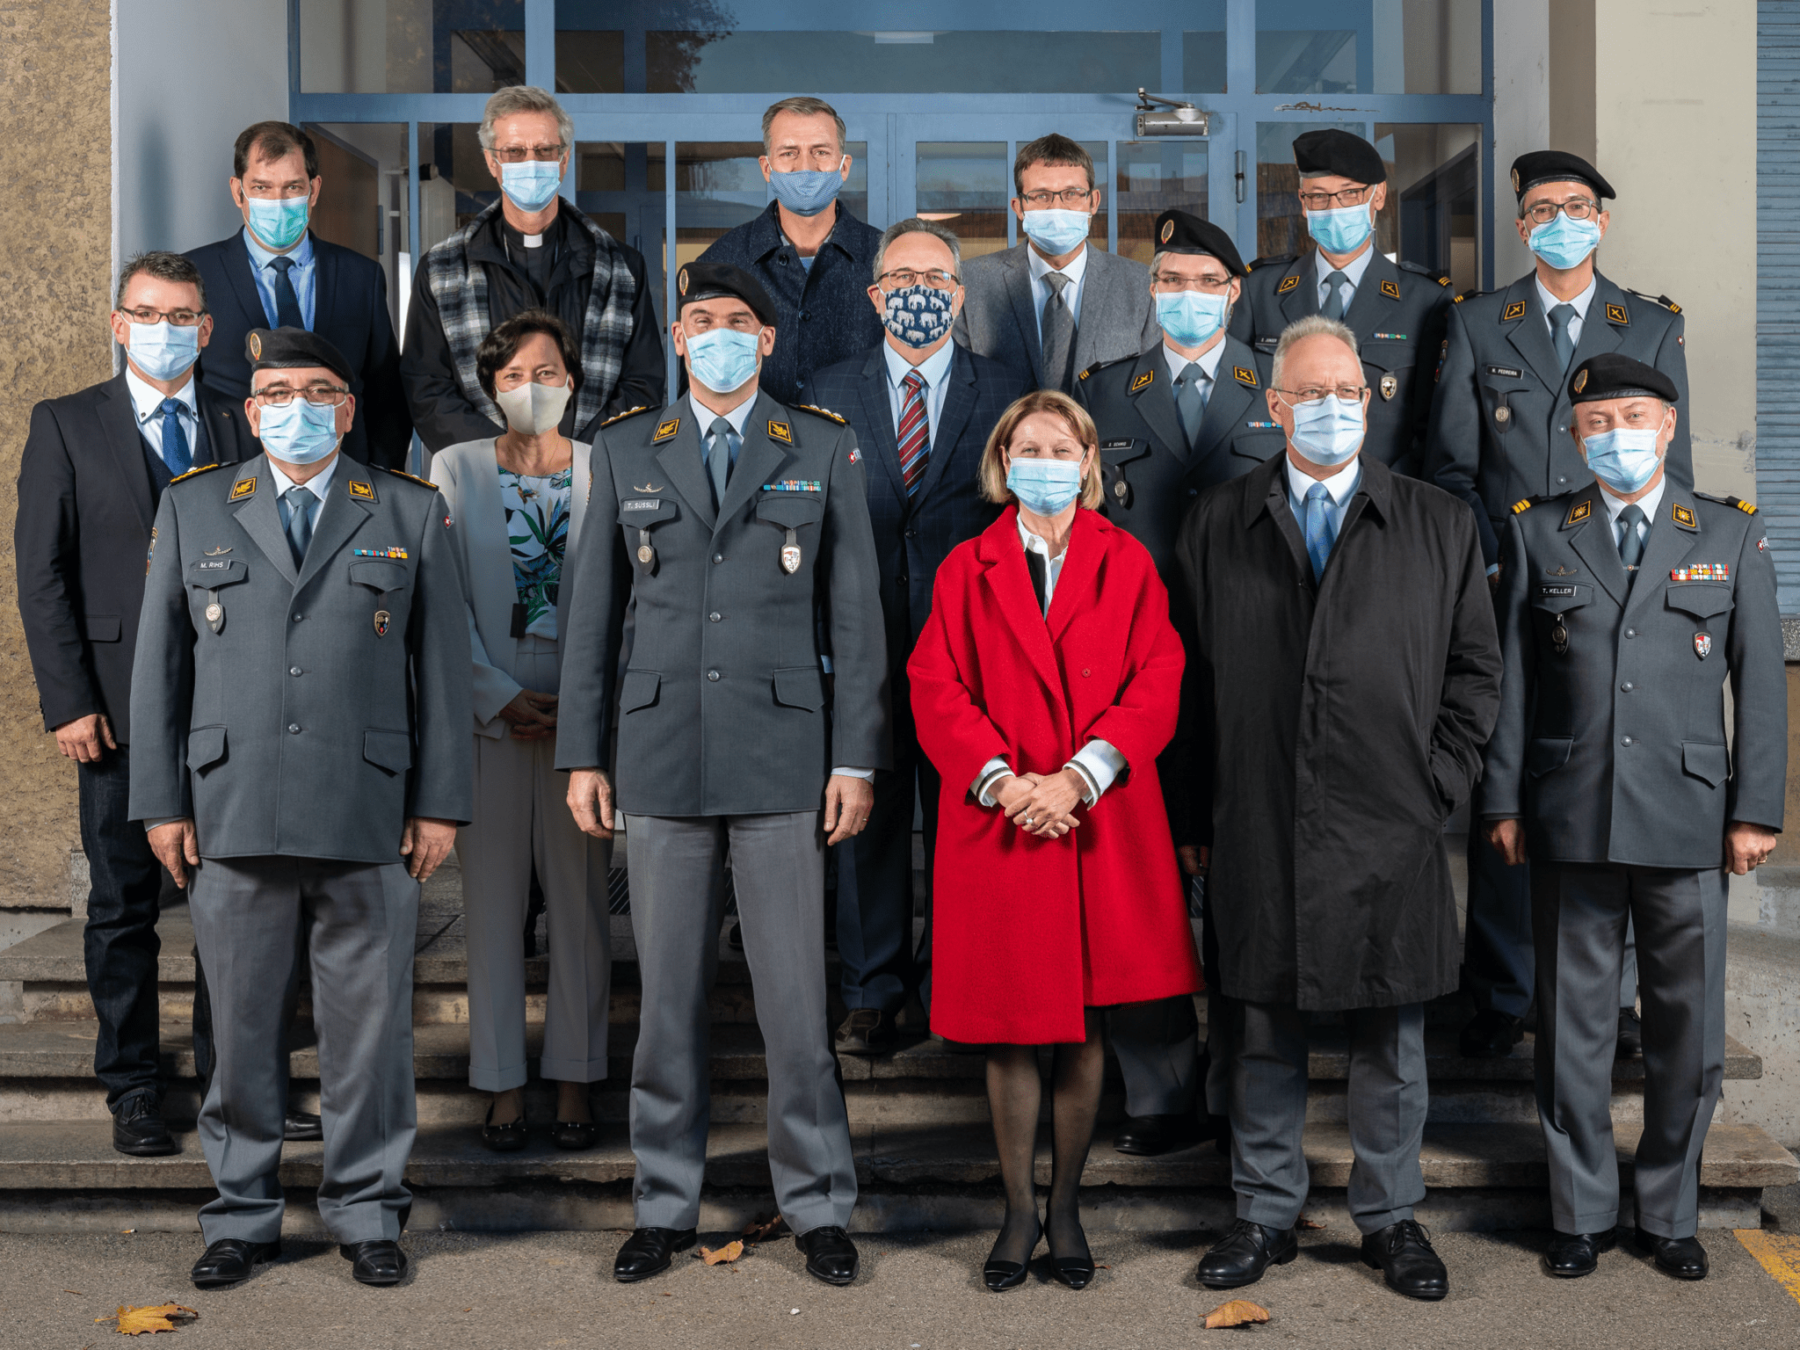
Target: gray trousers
x,y
1158,1045
360,921
521,817
1579,912
1388,1097
677,904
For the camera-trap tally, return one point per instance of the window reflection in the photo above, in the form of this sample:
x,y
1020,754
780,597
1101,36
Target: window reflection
x,y
1434,197
1153,177
363,201
411,46
965,186
1368,46
1280,223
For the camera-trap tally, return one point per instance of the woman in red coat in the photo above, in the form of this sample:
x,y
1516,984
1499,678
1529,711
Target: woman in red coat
x,y
1044,685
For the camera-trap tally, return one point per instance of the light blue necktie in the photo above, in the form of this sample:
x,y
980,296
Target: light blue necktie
x,y
175,450
1320,532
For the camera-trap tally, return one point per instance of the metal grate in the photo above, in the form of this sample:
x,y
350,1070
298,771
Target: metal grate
x,y
1778,287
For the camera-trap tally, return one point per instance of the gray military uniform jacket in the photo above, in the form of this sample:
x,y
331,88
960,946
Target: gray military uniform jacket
x,y
1500,412
724,708
1611,738
313,711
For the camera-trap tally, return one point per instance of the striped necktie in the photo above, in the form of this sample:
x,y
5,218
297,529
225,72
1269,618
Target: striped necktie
x,y
914,433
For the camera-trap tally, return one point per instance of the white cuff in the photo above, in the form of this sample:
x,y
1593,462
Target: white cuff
x,y
1493,568
161,821
1099,763
992,774
867,775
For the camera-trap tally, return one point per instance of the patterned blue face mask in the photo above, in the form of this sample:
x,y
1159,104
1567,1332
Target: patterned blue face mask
x,y
531,184
277,222
806,192
919,315
722,359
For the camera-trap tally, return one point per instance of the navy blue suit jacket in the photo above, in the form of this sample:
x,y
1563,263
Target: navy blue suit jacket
x,y
913,537
349,311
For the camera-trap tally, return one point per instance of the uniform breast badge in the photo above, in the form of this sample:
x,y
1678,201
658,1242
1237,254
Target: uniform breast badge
x,y
646,554
1559,637
215,612
1702,645
790,553
382,619
1390,385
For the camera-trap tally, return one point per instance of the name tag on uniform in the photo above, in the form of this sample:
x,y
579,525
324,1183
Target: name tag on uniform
x,y
1556,590
641,504
1507,371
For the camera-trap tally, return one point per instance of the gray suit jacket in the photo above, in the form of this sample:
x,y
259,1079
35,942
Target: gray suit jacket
x,y
999,316
724,709
331,704
469,477
1613,749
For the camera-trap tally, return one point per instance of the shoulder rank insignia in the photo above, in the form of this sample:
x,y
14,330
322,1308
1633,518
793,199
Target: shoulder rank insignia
x,y
199,468
1084,374
1516,310
1743,506
629,412
1244,376
1683,517
826,413
1519,508
1579,512
1390,289
244,487
362,491
413,478
1738,502
781,431
1443,281
664,430
1662,300
1288,284
1142,381
1616,314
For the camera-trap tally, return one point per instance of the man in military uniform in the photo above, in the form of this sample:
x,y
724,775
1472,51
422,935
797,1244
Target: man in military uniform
x,y
1396,310
1626,607
300,713
743,538
1174,420
1501,432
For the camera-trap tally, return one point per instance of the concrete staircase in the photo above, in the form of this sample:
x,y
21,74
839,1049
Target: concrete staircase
x,y
925,1157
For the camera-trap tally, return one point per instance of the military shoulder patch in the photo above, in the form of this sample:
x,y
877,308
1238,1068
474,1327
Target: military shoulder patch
x,y
1084,374
1617,314
1288,284
826,413
1683,517
1433,273
364,492
199,468
244,487
664,430
1516,310
1244,376
1142,381
1519,508
1579,512
1662,300
1273,260
629,412
1723,500
1391,289
781,431
411,478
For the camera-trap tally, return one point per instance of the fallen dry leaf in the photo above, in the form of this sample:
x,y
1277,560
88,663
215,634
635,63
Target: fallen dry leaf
x,y
755,1232
1309,1224
1239,1312
729,1252
137,1321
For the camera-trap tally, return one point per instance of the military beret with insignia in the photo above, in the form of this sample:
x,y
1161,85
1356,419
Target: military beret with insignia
x,y
1556,166
1615,375
1330,150
1179,232
709,281
293,349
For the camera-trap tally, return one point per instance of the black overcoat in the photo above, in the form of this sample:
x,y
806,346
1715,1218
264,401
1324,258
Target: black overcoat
x,y
1336,727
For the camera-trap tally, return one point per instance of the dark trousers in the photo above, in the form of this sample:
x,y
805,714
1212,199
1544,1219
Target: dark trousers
x,y
127,888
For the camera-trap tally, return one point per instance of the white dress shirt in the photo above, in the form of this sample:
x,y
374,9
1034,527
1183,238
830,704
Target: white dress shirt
x,y
1353,269
934,369
146,403
1646,503
1580,302
1076,271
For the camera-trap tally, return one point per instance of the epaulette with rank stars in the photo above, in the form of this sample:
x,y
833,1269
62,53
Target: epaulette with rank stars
x,y
1747,508
198,468
826,413
629,412
410,477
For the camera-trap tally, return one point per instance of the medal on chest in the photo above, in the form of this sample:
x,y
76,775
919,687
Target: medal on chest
x,y
215,612
646,554
1702,645
382,619
1559,637
790,553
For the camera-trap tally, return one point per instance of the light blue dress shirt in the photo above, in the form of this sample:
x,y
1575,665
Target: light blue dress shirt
x,y
1340,487
1076,272
1353,269
935,369
146,405
304,275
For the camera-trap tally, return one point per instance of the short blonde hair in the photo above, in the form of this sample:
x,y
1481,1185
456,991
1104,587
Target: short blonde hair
x,y
1081,426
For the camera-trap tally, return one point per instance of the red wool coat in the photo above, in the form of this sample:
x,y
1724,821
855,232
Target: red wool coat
x,y
1027,932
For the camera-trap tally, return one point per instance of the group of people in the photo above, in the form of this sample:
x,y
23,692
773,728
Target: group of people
x,y
1128,575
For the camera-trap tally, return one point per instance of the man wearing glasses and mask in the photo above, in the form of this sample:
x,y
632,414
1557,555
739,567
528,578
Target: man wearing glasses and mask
x,y
530,250
921,408
1395,309
94,469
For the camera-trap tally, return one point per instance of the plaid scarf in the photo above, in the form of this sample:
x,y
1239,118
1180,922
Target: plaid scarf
x,y
461,293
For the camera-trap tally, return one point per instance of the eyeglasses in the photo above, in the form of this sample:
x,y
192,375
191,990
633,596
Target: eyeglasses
x,y
319,395
1169,281
518,154
902,277
1068,197
181,318
1324,201
1580,208
1348,393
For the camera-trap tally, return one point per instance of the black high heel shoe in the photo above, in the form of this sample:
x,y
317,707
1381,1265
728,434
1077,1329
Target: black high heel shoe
x,y
507,1138
1075,1271
1003,1275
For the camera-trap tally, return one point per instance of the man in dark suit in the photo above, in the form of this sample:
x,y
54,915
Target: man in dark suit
x,y
95,466
276,272
921,408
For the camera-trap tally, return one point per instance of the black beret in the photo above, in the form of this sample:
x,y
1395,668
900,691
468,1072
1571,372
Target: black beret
x,y
1614,375
1178,232
1329,150
1556,166
288,348
708,281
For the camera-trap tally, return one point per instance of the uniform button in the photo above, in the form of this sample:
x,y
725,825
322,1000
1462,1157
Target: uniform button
x,y
912,534
717,557
293,728
714,616
903,576
1562,480
1624,740
804,316
298,617
1563,429
1631,632
293,670
1628,686
713,675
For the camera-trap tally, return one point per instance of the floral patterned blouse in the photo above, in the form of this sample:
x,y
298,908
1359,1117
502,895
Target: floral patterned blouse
x,y
537,528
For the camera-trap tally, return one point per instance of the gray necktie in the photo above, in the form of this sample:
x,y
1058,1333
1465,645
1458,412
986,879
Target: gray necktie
x,y
718,461
1631,543
1337,287
1190,402
300,502
1560,319
1058,330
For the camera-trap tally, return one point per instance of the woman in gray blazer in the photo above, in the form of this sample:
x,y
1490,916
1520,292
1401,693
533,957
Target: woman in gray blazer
x,y
519,500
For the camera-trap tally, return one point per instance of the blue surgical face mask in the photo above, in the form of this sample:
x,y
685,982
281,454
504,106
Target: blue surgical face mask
x,y
277,222
1624,458
806,192
1329,431
531,184
1055,230
299,433
919,315
1563,243
1342,229
722,358
1190,318
1044,487
162,350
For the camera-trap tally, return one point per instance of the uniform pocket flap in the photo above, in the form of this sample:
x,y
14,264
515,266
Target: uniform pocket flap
x,y
390,750
1709,763
211,572
1555,597
790,509
1702,599
638,689
206,747
379,576
1122,451
644,512
801,687
100,627
1547,753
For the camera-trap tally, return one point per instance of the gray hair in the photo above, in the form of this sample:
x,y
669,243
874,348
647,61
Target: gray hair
x,y
523,98
163,266
1313,325
803,106
914,225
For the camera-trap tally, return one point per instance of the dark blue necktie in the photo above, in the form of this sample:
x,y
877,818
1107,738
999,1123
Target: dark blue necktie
x,y
175,451
287,304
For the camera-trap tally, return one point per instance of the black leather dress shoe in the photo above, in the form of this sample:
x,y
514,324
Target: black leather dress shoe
x,y
648,1251
1243,1254
138,1128
575,1134
1684,1258
830,1254
1402,1251
378,1261
1491,1035
231,1259
1574,1254
507,1138
866,1031
1631,1035
1151,1136
299,1127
